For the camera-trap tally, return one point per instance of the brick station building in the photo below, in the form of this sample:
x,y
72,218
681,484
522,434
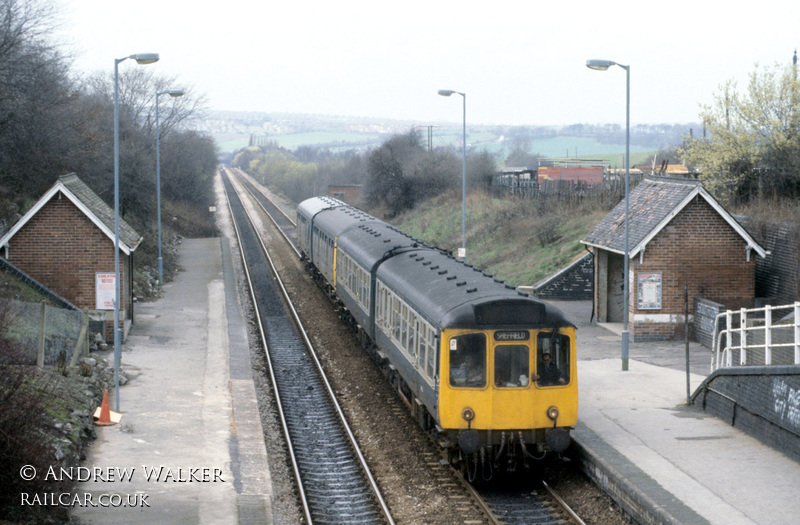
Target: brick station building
x,y
66,242
679,235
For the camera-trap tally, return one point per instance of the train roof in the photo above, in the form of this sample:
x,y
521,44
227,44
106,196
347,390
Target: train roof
x,y
447,292
314,205
336,218
455,295
370,242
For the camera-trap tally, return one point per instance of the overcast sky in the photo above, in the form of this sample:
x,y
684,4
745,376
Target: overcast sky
x,y
519,62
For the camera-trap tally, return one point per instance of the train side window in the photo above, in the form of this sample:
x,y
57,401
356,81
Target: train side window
x,y
432,369
552,364
412,334
511,365
396,318
422,338
468,360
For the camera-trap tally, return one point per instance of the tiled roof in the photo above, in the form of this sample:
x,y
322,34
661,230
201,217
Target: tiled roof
x,y
101,210
652,204
100,213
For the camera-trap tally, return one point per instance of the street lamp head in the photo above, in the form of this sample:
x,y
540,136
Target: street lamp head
x,y
599,65
176,92
145,58
446,92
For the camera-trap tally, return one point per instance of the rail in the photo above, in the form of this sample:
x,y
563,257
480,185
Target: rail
x,y
748,330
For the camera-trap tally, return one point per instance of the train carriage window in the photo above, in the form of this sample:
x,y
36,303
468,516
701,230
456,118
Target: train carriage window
x,y
412,334
552,359
396,318
511,365
468,361
423,341
403,326
433,351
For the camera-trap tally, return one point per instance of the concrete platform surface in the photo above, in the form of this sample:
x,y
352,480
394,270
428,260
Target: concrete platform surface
x,y
671,461
189,448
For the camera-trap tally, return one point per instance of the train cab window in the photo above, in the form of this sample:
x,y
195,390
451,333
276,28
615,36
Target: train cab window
x,y
511,366
552,365
468,361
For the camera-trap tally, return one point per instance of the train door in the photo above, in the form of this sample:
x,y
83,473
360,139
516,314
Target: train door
x,y
512,392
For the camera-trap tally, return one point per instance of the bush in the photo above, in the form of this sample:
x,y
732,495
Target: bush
x,y
32,400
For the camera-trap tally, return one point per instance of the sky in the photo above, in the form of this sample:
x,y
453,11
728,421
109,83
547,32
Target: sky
x,y
519,62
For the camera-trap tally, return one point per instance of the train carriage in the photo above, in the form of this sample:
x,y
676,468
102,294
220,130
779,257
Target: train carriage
x,y
359,251
489,369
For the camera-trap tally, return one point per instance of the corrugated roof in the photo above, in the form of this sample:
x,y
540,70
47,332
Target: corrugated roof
x,y
652,205
101,214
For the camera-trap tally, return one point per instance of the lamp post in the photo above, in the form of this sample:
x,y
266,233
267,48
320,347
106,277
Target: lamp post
x,y
141,58
602,65
447,93
173,93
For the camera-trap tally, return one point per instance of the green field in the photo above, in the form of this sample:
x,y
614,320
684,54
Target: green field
x,y
484,140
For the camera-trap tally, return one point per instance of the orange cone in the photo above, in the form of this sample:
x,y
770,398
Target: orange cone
x,y
104,418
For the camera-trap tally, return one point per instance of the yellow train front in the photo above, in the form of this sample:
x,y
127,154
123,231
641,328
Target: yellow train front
x,y
507,396
487,369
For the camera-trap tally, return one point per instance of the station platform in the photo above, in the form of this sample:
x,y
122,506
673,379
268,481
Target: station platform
x,y
189,447
664,460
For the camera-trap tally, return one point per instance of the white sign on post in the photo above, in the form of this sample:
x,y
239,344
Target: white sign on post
x,y
105,291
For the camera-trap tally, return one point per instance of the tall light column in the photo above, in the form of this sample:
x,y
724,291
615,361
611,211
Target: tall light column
x,y
447,93
602,65
173,93
141,58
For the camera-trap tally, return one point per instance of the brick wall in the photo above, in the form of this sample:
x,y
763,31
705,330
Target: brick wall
x,y
777,280
763,401
61,248
699,249
573,283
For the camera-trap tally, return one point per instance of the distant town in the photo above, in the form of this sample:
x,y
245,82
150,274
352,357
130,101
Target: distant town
x,y
234,130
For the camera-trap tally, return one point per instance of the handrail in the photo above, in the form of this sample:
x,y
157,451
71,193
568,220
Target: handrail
x,y
723,357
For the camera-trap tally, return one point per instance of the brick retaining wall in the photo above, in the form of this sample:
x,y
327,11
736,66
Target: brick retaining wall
x,y
763,401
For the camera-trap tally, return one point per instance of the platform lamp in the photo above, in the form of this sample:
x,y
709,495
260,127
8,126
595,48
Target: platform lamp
x,y
173,93
447,93
141,58
602,65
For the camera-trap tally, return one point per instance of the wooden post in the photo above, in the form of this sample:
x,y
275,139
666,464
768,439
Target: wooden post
x,y
82,344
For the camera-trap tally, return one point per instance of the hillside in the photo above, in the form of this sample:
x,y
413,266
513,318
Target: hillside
x,y
520,241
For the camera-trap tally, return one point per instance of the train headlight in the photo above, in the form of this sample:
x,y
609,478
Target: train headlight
x,y
552,413
468,414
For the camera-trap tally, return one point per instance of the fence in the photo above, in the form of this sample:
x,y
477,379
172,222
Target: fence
x,y
46,334
610,190
753,337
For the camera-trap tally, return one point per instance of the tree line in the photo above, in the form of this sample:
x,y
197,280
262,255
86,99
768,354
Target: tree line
x,y
750,145
54,121
394,176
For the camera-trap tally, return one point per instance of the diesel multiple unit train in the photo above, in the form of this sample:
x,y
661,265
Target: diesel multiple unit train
x,y
489,370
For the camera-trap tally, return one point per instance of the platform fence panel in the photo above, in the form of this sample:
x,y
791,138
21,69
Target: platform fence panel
x,y
44,334
757,337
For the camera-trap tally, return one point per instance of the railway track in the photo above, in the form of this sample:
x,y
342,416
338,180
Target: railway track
x,y
333,480
533,504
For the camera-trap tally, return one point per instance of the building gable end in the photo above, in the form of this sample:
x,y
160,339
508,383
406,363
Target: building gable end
x,y
57,188
751,243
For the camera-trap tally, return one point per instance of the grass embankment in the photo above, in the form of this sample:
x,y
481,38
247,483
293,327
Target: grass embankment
x,y
518,240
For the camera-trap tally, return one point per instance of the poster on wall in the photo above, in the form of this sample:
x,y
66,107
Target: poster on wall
x,y
104,291
649,291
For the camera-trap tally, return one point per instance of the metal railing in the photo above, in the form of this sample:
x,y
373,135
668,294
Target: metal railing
x,y
753,337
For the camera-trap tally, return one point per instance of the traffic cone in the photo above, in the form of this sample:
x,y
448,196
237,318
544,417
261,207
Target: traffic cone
x,y
104,419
